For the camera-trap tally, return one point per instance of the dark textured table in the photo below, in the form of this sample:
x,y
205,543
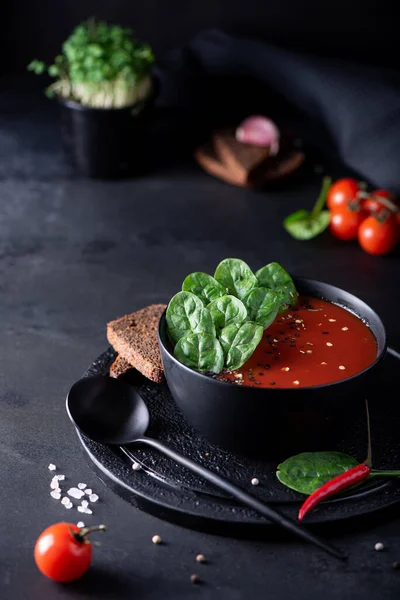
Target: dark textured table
x,y
76,253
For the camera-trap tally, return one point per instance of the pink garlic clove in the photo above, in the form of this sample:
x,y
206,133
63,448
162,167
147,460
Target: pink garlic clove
x,y
259,131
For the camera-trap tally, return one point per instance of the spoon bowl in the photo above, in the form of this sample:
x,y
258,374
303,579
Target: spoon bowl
x,y
107,410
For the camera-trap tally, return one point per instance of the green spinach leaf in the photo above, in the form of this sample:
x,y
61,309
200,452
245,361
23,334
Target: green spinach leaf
x,y
262,305
236,276
274,277
308,471
239,342
203,286
186,313
227,310
305,225
200,351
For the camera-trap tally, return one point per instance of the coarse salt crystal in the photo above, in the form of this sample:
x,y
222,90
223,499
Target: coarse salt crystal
x,y
255,481
69,505
82,486
285,368
309,351
55,494
84,503
65,500
80,509
54,485
87,511
52,467
80,524
332,320
296,382
136,466
345,328
329,344
88,491
342,368
59,477
75,493
93,497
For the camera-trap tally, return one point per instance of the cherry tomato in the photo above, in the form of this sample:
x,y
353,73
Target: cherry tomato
x,y
63,551
379,236
344,223
372,205
341,193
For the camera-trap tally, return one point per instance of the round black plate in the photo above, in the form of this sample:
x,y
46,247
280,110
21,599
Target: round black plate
x,y
170,492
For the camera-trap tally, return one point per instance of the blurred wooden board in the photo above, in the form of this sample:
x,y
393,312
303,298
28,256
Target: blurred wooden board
x,y
245,165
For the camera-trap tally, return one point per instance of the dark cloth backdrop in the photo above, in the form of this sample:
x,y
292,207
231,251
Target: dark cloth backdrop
x,y
346,109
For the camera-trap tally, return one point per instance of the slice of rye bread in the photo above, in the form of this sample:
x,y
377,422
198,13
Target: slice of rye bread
x,y
134,337
120,367
206,157
245,160
281,166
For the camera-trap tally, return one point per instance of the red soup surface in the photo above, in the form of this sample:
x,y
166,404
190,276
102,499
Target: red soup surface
x,y
316,343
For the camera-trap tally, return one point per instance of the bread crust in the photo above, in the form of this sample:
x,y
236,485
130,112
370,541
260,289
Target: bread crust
x,y
134,337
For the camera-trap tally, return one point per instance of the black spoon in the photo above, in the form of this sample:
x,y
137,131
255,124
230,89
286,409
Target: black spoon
x,y
112,412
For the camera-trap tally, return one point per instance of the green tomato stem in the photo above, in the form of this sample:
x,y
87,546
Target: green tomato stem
x,y
320,203
86,530
81,535
383,201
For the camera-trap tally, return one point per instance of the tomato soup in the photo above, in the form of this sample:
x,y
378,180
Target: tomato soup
x,y
314,344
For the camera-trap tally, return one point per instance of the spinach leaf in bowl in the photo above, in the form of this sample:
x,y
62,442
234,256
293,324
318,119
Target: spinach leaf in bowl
x,y
232,308
186,313
227,310
274,277
236,276
262,305
203,286
239,342
200,351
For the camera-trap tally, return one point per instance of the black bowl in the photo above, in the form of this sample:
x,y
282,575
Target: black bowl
x,y
276,422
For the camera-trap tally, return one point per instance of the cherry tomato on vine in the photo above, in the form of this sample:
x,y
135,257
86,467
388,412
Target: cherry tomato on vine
x,y
341,193
344,223
63,551
379,236
372,205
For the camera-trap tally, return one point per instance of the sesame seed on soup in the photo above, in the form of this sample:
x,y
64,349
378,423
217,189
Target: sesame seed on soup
x,y
313,344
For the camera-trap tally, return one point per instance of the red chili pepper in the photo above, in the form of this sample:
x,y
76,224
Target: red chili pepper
x,y
335,485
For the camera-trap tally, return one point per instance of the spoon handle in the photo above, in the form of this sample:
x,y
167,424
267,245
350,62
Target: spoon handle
x,y
238,493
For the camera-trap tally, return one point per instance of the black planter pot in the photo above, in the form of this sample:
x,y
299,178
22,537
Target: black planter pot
x,y
276,422
105,143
